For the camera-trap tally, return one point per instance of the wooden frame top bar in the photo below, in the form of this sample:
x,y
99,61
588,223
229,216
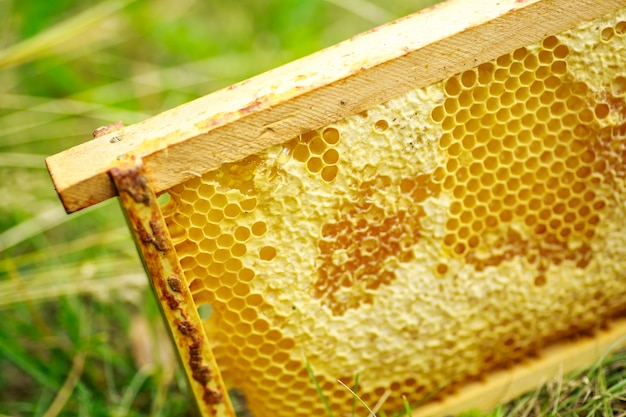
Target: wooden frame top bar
x,y
314,91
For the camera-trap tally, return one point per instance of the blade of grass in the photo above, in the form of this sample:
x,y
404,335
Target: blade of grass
x,y
381,401
132,390
22,160
115,238
320,393
559,386
407,406
44,130
365,10
53,289
372,414
46,219
426,398
66,390
619,390
41,44
599,363
603,395
58,123
356,389
77,269
531,403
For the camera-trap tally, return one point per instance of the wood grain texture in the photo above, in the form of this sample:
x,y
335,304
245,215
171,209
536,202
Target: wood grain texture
x,y
314,91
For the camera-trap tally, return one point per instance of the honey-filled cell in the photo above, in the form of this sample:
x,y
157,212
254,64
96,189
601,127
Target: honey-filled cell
x,y
360,247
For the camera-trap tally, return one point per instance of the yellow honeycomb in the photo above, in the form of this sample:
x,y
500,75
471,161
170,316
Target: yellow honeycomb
x,y
424,242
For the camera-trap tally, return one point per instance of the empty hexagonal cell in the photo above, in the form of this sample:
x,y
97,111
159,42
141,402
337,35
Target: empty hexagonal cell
x,y
238,305
232,210
219,201
203,298
221,255
301,152
267,253
317,145
196,285
462,116
242,327
216,268
188,196
267,350
215,216
245,275
248,314
225,241
204,259
254,300
241,289
238,250
228,279
223,294
259,228
329,173
331,156
242,234
188,262
381,125
331,136
452,87
202,205
233,265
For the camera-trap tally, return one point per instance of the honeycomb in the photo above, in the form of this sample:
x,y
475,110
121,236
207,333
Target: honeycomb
x,y
424,242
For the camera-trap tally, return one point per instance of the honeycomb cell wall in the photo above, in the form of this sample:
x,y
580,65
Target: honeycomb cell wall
x,y
424,242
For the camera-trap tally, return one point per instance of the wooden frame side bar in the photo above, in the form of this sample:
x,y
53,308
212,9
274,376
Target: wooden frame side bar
x,y
146,222
314,91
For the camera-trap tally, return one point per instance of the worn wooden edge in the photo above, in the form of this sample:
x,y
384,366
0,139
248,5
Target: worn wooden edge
x,y
555,361
314,91
147,225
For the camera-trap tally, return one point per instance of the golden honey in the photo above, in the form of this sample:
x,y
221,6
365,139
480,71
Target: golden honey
x,y
424,242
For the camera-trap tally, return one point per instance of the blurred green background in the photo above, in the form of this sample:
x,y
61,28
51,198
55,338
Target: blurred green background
x,y
79,332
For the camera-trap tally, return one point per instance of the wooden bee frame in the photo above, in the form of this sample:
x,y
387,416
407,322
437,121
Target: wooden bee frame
x,y
237,124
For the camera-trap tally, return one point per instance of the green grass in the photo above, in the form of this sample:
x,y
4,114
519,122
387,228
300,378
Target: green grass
x,y
80,334
597,391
